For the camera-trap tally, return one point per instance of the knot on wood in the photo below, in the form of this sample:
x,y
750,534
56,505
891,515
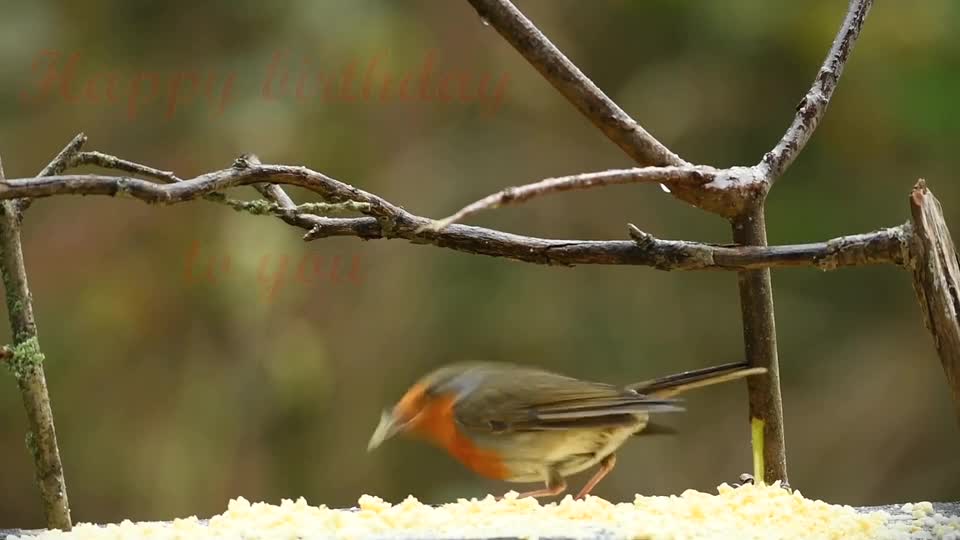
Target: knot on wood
x,y
509,194
246,161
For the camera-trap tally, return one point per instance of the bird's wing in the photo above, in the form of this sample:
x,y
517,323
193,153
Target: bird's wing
x,y
533,400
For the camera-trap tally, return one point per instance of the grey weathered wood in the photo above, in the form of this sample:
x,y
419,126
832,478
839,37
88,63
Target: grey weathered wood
x,y
936,280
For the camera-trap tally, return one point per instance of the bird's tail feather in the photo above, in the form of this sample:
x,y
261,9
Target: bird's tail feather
x,y
681,382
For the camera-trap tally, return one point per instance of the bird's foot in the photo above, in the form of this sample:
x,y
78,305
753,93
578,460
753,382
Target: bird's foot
x,y
744,479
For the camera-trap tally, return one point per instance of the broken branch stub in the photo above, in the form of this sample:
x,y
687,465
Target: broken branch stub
x,y
936,280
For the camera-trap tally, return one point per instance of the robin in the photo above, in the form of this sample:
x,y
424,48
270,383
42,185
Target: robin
x,y
522,424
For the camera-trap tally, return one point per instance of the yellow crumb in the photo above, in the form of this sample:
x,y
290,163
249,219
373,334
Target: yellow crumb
x,y
744,513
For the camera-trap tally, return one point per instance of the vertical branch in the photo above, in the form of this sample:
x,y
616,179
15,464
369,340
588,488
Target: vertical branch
x,y
936,280
749,229
760,343
27,366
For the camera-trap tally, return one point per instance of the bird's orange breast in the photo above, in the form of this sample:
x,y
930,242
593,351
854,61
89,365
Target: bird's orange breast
x,y
436,423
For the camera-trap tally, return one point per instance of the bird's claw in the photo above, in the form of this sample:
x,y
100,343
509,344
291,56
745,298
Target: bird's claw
x,y
744,479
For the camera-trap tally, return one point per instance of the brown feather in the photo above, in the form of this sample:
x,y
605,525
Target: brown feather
x,y
504,397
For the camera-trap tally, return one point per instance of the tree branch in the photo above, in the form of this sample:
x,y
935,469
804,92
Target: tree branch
x,y
388,220
579,90
93,184
886,246
283,207
760,344
107,161
26,363
60,163
814,104
669,176
276,194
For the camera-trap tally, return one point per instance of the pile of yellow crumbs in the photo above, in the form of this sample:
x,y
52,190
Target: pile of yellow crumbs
x,y
743,513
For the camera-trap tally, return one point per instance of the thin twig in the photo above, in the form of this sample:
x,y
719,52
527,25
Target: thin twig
x,y
814,104
579,90
262,207
60,163
112,162
283,208
669,176
276,194
27,366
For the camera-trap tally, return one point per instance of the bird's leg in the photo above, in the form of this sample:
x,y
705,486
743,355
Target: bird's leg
x,y
555,485
606,465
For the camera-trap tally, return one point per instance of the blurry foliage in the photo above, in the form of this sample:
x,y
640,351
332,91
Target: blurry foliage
x,y
174,394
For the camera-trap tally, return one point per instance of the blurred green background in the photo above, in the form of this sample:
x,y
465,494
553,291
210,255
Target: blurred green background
x,y
176,388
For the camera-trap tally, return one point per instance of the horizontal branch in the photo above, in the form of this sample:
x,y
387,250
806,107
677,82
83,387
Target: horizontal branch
x,y
387,220
886,246
92,184
278,203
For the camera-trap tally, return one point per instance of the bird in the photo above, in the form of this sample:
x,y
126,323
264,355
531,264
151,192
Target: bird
x,y
523,424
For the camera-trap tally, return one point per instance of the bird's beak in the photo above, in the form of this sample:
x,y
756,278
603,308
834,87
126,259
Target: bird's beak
x,y
388,427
